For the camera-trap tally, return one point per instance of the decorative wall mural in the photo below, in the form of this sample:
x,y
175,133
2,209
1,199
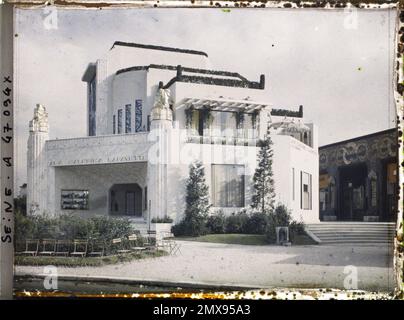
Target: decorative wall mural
x,y
366,149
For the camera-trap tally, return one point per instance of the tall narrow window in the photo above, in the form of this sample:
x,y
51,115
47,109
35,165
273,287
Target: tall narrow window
x,y
332,193
145,198
138,115
228,185
128,118
114,124
92,107
293,183
305,190
119,121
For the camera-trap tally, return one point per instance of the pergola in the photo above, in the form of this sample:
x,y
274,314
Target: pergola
x,y
221,104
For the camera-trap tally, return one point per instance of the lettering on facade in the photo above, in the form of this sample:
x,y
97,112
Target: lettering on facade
x,y
115,159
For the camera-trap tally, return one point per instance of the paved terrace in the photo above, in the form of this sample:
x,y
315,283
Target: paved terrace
x,y
253,266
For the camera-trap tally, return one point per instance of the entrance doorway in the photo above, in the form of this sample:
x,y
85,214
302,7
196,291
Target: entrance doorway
x,y
352,192
125,199
389,188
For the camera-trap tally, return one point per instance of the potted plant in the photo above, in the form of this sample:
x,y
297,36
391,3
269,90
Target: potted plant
x,y
161,225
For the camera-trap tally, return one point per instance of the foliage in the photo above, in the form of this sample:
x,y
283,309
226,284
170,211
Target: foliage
x,y
216,222
20,205
197,203
282,217
85,262
236,221
263,198
256,223
165,219
71,227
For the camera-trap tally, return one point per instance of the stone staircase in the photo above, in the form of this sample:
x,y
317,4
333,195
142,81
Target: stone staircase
x,y
353,233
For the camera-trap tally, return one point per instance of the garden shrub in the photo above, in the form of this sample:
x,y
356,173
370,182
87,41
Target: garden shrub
x,y
197,204
71,227
235,222
256,223
216,222
296,228
282,217
165,219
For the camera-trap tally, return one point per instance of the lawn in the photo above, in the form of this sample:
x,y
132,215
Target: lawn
x,y
230,238
86,261
245,239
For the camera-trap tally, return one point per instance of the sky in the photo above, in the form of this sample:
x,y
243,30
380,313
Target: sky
x,y
337,64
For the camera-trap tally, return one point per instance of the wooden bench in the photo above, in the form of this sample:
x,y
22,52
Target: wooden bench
x,y
97,248
79,248
63,247
31,248
48,247
118,246
134,240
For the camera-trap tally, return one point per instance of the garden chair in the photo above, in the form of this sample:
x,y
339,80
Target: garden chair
x,y
97,248
134,241
31,248
48,247
118,246
62,248
174,247
150,240
79,248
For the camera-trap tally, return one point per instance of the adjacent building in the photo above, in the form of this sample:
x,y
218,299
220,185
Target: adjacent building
x,y
151,111
359,178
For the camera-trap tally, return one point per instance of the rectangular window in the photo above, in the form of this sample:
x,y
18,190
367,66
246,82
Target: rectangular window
x,y
114,124
223,124
119,121
228,185
138,115
145,198
293,183
74,200
128,118
92,107
305,190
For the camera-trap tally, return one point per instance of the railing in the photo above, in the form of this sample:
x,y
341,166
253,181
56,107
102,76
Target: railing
x,y
233,141
94,141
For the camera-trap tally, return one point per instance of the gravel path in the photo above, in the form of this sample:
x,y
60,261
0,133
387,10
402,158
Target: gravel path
x,y
255,266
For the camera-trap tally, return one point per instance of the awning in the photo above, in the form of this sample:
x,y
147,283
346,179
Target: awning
x,y
222,104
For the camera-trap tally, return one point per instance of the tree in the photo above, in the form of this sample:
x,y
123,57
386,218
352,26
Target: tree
x,y
263,198
197,203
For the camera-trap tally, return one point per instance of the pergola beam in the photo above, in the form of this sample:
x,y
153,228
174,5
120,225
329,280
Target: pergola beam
x,y
222,104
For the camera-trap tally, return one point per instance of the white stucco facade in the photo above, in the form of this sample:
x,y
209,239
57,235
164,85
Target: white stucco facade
x,y
151,112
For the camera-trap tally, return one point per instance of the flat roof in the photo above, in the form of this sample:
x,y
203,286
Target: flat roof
x,y
154,47
359,138
185,69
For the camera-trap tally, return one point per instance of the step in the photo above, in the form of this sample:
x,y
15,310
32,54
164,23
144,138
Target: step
x,y
361,234
355,240
369,243
352,225
353,230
